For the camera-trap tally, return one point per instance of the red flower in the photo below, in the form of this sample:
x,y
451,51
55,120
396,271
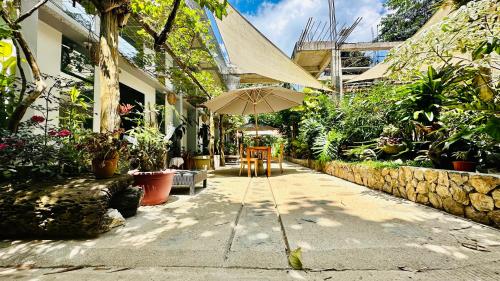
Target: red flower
x,y
125,109
37,119
52,133
64,133
3,146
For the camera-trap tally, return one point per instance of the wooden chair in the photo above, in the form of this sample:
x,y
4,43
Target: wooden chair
x,y
280,157
243,161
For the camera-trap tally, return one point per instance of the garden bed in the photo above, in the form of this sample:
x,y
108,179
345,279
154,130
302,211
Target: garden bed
x,y
69,208
472,195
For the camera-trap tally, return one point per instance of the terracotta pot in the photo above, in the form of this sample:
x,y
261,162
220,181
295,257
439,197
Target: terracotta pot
x,y
104,169
156,185
465,166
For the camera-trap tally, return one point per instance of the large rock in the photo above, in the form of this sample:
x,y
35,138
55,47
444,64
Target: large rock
x,y
435,200
494,216
477,216
411,193
423,187
128,201
483,183
482,202
422,199
402,191
419,174
68,208
459,194
443,191
453,207
387,187
111,219
408,173
432,187
394,173
443,178
496,197
431,175
458,178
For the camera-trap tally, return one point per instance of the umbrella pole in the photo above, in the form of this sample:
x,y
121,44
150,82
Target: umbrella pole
x,y
256,122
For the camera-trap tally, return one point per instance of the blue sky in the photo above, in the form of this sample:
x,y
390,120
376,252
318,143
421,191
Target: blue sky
x,y
283,20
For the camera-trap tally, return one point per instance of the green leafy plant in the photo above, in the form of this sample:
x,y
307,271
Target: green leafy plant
x,y
105,146
327,146
461,155
149,148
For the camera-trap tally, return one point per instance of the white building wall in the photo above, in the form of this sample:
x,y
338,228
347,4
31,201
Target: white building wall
x,y
128,80
48,54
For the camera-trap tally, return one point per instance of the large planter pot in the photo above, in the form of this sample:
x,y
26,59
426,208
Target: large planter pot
x,y
156,185
464,166
202,162
104,169
216,162
393,148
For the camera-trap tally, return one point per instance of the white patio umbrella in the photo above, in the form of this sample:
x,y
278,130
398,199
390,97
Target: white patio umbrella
x,y
250,127
255,101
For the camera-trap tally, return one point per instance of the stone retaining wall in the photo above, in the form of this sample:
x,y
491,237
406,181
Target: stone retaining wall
x,y
472,195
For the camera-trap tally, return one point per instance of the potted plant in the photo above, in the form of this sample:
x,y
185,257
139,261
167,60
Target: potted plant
x,y
105,149
462,163
389,141
148,158
201,161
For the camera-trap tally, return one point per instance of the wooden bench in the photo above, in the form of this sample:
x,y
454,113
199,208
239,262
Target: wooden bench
x,y
189,179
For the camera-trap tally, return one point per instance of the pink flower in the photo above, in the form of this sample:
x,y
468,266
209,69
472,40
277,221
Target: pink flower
x,y
64,133
37,119
3,146
125,109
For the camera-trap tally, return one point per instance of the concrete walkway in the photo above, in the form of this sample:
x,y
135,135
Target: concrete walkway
x,y
241,229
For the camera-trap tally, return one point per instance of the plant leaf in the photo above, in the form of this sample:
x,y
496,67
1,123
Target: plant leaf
x,y
294,259
492,128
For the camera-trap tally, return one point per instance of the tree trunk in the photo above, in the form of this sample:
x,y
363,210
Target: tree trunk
x,y
40,85
211,143
109,72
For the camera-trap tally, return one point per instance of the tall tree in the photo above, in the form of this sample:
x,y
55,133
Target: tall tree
x,y
113,15
405,18
10,12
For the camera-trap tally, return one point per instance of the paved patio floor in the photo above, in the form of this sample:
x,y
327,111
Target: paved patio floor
x,y
241,228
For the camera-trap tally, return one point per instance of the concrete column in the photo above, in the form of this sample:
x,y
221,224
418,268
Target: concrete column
x,y
336,73
232,81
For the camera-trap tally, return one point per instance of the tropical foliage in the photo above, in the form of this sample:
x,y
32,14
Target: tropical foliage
x,y
405,19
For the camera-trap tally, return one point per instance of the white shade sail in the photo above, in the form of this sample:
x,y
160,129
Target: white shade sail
x,y
257,59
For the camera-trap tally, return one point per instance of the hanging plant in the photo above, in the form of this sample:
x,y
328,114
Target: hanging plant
x,y
94,51
204,118
171,98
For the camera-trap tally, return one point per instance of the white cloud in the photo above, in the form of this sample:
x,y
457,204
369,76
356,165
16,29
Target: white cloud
x,y
283,22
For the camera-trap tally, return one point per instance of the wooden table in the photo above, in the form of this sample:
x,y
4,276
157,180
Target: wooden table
x,y
266,149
